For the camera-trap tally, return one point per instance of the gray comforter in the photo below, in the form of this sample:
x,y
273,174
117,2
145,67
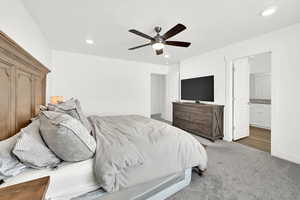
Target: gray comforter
x,y
134,149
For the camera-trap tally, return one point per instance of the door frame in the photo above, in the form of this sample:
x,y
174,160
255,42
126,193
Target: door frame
x,y
231,89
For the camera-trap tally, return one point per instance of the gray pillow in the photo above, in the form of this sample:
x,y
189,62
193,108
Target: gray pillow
x,y
9,165
66,136
31,150
71,107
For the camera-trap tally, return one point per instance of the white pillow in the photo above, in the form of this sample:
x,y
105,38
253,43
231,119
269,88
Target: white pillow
x,y
9,165
31,149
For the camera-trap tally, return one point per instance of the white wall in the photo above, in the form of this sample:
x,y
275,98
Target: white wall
x,y
208,65
284,45
158,94
172,90
16,22
104,85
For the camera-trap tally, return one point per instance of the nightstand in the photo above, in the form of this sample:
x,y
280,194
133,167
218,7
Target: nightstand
x,y
30,190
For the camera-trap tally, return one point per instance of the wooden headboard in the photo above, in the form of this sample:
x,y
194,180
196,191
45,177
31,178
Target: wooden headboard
x,y
22,87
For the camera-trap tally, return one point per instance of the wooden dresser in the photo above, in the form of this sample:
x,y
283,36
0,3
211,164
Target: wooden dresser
x,y
205,120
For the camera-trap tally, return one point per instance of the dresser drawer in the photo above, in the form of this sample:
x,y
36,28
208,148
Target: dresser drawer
x,y
193,127
200,118
182,115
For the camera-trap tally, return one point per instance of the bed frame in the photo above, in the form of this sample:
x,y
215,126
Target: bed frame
x,y
154,190
22,87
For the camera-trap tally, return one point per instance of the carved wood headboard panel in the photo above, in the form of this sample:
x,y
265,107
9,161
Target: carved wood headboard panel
x,y
22,87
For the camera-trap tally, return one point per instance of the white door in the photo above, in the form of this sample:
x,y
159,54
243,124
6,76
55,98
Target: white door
x,y
241,82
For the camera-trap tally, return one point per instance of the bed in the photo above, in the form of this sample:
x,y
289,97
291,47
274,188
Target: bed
x,y
23,82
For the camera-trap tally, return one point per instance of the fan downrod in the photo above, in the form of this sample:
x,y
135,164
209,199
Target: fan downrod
x,y
157,29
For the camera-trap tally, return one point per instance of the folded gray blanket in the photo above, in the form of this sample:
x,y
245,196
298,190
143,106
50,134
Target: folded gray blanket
x,y
129,144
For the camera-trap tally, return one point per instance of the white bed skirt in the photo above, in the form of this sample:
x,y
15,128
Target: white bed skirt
x,y
74,179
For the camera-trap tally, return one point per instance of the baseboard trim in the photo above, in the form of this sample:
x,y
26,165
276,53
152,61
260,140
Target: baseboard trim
x,y
262,127
286,156
156,115
227,139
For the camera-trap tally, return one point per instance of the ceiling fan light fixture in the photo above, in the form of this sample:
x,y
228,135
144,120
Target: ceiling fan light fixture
x,y
159,41
158,46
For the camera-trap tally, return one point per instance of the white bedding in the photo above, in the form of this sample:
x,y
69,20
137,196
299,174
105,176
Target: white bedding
x,y
68,180
133,149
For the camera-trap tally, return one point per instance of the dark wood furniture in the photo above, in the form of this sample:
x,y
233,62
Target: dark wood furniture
x,y
22,87
31,190
205,120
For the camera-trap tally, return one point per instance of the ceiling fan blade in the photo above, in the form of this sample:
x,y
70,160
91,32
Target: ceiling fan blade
x,y
178,43
140,46
141,34
173,31
159,52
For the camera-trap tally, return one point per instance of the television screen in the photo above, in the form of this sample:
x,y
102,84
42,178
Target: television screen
x,y
198,89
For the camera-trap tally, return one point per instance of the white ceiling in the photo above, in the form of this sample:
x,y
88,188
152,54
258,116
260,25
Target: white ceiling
x,y
210,24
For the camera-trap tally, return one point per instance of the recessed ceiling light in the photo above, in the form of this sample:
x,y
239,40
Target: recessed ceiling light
x,y
89,41
269,11
167,56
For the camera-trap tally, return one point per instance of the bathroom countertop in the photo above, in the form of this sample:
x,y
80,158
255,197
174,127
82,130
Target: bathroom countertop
x,y
260,101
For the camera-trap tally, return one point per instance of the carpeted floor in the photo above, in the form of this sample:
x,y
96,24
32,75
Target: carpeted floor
x,y
238,172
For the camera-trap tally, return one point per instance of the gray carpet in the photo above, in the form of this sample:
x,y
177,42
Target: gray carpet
x,y
239,172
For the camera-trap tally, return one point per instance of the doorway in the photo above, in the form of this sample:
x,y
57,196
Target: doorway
x,y
158,97
252,101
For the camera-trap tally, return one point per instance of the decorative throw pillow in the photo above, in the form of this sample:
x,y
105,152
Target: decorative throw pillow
x,y
71,107
9,165
31,150
66,136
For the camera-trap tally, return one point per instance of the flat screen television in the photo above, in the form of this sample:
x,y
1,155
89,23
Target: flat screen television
x,y
198,89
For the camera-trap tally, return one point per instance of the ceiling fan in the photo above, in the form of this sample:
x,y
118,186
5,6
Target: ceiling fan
x,y
158,42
